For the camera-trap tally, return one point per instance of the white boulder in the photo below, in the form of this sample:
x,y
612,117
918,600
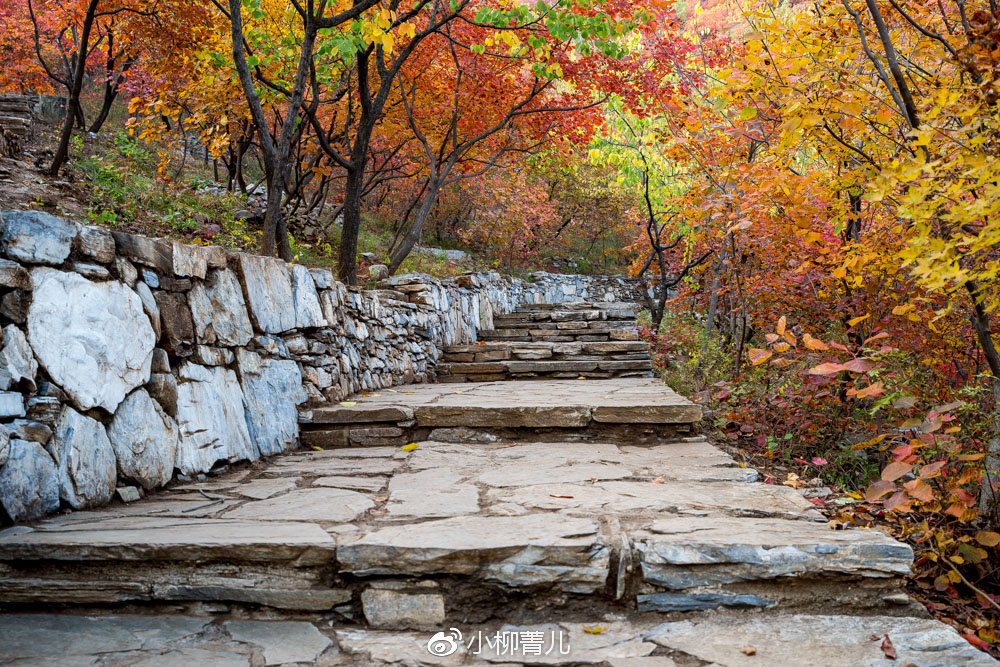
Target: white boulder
x,y
94,339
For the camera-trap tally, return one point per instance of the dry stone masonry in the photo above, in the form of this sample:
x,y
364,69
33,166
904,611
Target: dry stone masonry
x,y
127,358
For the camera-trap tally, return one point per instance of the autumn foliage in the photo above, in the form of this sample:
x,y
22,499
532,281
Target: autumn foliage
x,y
838,162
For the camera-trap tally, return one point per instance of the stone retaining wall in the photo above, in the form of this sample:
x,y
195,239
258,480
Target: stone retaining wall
x,y
562,288
126,359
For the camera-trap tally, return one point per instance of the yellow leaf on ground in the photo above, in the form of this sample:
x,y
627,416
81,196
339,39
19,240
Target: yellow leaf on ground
x,y
988,538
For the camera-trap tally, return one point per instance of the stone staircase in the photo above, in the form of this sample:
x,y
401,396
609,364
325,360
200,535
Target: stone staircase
x,y
567,341
15,123
583,514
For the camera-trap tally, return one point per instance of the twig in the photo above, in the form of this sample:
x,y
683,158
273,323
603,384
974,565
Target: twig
x,y
966,581
215,501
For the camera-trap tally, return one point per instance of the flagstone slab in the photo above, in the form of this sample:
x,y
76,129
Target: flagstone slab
x,y
564,643
55,636
649,499
432,493
538,403
517,551
315,504
169,539
818,641
281,643
261,489
686,552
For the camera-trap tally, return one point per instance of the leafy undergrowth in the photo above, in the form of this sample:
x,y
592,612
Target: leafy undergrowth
x,y
117,183
874,442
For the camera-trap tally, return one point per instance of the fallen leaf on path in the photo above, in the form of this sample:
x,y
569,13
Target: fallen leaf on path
x,y
410,447
888,649
348,404
658,480
976,641
596,630
748,650
559,495
315,448
793,481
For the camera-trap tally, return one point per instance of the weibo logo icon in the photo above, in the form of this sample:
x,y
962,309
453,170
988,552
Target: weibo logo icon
x,y
443,644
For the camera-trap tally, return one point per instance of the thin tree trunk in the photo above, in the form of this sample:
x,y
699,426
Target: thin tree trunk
x,y
111,88
989,503
413,233
353,192
62,152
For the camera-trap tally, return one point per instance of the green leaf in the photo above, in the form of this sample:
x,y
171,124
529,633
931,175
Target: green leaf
x,y
748,114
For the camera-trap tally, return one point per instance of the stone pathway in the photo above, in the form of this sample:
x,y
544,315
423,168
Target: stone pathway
x,y
513,522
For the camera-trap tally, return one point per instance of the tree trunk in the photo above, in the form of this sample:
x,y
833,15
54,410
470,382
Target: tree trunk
x,y
416,227
347,262
347,259
111,86
989,502
275,224
62,152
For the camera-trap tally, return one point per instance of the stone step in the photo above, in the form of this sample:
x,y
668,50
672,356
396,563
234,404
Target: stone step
x,y
430,535
785,640
602,325
547,368
729,639
540,350
583,305
550,404
558,316
558,335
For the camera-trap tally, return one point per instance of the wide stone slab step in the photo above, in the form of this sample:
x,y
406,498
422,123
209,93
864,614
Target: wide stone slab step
x,y
722,640
525,404
146,538
540,350
566,315
570,325
693,563
557,335
801,640
546,368
518,552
